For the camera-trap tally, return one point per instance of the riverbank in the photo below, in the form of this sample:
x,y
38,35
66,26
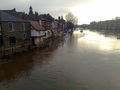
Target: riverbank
x,y
7,55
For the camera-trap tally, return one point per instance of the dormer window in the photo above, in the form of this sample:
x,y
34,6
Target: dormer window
x,y
11,27
23,26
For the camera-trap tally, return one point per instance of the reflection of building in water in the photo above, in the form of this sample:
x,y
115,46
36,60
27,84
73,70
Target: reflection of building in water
x,y
23,65
118,37
14,69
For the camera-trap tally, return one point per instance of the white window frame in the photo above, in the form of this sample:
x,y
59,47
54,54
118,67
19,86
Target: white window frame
x,y
42,32
11,26
23,26
40,22
39,32
43,22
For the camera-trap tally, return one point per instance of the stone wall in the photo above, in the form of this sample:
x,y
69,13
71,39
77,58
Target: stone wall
x,y
17,33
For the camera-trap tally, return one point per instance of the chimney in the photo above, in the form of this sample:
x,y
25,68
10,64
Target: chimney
x,y
23,15
36,15
14,10
45,16
59,18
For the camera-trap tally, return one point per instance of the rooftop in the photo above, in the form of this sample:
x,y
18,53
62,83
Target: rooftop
x,y
10,18
36,25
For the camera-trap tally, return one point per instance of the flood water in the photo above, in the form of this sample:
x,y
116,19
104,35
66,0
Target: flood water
x,y
84,61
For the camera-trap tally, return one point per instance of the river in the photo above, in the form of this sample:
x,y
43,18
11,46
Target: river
x,y
87,60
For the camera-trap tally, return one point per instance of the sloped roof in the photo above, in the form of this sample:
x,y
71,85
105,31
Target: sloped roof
x,y
47,17
31,17
13,12
36,25
9,11
10,18
16,14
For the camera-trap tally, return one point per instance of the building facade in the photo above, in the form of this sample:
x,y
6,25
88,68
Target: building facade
x,y
14,31
37,33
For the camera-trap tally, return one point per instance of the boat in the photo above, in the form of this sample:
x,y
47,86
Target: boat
x,y
81,30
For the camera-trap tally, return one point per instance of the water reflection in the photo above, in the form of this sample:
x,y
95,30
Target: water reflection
x,y
82,61
17,68
22,66
104,41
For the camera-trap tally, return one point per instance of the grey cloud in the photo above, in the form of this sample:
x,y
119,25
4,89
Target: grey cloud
x,y
54,7
60,12
43,3
60,3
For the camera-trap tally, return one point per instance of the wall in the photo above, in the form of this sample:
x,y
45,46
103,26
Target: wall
x,y
35,33
17,33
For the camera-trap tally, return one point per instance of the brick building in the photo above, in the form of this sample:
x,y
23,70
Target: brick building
x,y
14,31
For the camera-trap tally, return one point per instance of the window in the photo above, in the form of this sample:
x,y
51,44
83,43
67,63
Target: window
x,y
23,26
39,32
12,40
11,27
55,25
48,24
42,32
43,23
24,35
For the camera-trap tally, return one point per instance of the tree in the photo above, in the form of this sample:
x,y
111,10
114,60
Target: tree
x,y
71,20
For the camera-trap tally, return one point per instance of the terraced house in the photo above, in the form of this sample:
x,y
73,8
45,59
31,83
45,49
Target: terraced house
x,y
46,21
13,31
37,33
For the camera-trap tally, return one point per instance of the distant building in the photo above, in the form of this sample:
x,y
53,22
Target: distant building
x,y
54,27
31,15
61,24
46,21
30,10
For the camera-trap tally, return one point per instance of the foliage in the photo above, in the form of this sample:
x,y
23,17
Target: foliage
x,y
70,25
71,20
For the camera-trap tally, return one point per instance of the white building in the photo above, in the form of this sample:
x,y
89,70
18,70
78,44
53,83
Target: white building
x,y
54,27
37,32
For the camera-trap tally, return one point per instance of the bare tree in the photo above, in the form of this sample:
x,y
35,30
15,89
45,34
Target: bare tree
x,y
71,20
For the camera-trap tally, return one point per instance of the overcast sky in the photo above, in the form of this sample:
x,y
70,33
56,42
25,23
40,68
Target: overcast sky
x,y
85,10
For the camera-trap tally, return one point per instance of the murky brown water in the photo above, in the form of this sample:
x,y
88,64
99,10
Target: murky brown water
x,y
83,61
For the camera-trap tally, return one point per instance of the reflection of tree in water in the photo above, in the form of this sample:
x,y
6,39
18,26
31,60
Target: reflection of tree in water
x,y
22,66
